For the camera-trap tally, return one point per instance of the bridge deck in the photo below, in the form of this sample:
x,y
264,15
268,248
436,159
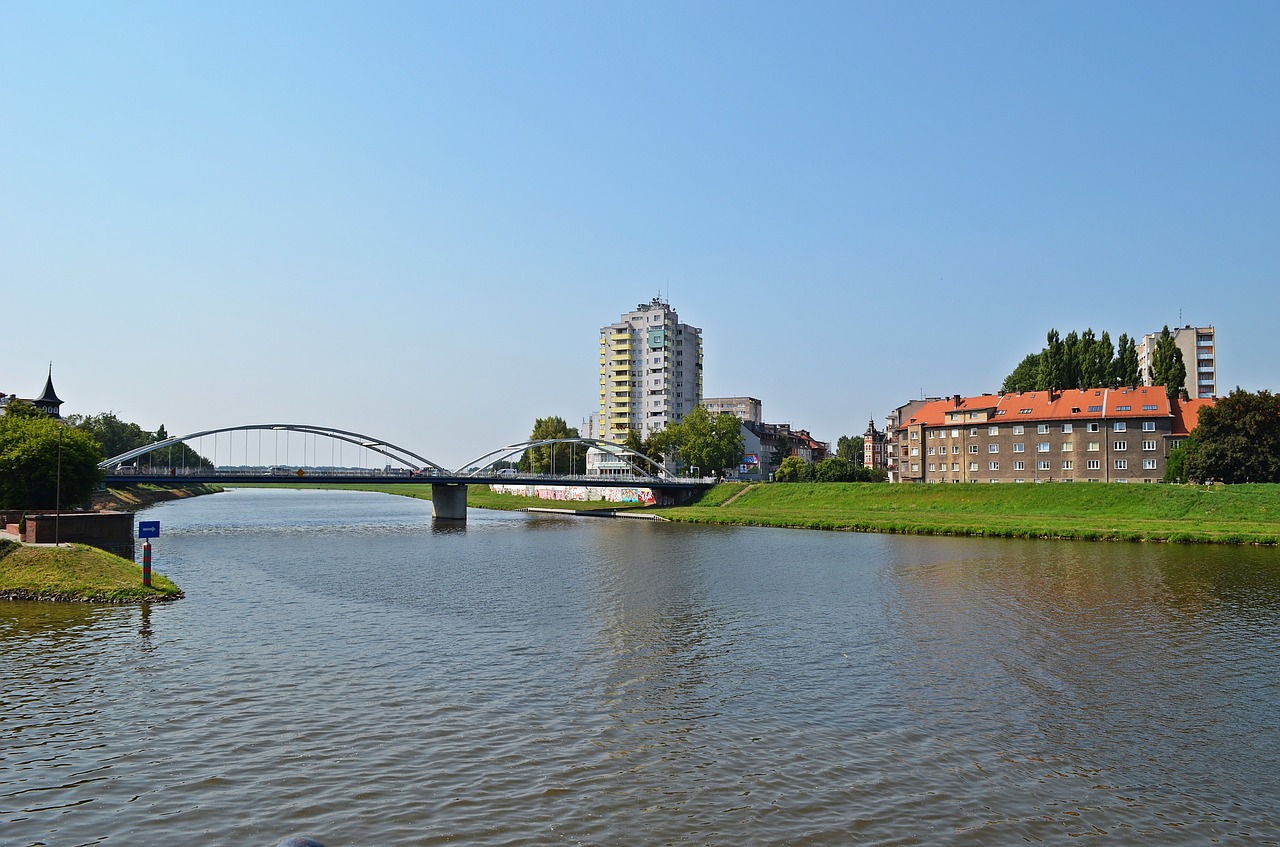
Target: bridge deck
x,y
227,478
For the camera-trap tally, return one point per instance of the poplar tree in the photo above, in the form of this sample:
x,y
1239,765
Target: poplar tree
x,y
1167,367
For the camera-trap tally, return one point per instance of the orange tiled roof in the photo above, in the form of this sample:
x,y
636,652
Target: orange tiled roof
x,y
1071,404
1186,415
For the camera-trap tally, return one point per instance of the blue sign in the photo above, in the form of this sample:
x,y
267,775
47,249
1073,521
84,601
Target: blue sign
x,y
148,529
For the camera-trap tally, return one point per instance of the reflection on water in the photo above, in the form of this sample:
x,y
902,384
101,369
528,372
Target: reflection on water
x,y
344,668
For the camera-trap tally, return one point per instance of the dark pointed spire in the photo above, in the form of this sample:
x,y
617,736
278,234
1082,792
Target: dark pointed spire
x,y
48,402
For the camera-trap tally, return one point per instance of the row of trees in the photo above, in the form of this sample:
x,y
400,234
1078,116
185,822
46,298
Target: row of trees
x,y
1237,439
831,469
1080,360
46,462
1088,361
116,437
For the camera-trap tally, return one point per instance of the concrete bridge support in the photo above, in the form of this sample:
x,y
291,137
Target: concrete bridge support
x,y
449,501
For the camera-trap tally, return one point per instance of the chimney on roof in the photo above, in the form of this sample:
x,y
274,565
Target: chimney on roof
x,y
956,400
1053,394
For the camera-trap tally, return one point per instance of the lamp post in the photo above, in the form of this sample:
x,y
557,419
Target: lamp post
x,y
57,495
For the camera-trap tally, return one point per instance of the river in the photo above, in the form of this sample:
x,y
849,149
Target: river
x,y
342,669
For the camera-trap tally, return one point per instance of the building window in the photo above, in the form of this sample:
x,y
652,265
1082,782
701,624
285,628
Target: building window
x,y
1119,445
973,466
1067,464
1095,408
973,431
993,448
930,451
1093,465
1148,445
973,448
1068,446
1066,427
955,433
955,466
1124,408
1042,429
931,467
1017,430
1019,466
1150,407
1122,464
1044,466
1118,426
1019,447
1091,447
955,448
1148,464
1148,426
993,466
1042,447
993,430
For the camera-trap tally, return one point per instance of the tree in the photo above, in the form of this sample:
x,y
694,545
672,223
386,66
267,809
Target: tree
x,y
849,448
1236,440
1167,367
1125,367
1097,365
1025,377
43,462
558,458
793,469
1175,467
711,444
1053,363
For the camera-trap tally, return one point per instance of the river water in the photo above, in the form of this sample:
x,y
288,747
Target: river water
x,y
342,669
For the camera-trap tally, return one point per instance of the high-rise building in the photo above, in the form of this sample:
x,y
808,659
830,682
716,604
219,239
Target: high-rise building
x,y
650,371
1197,346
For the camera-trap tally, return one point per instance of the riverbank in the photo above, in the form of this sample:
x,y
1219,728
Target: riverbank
x,y
130,498
75,572
1224,514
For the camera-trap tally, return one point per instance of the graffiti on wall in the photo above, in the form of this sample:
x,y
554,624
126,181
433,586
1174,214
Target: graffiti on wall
x,y
579,493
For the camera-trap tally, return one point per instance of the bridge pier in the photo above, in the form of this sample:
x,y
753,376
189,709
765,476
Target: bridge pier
x,y
449,501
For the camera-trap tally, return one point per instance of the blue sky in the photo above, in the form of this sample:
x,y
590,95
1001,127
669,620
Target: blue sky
x,y
412,219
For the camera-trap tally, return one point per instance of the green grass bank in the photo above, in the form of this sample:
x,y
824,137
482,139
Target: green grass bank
x,y
76,572
1238,514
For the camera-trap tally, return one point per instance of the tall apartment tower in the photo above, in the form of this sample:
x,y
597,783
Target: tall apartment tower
x,y
1197,346
650,371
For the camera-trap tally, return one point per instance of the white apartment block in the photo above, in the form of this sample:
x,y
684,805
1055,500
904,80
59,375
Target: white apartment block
x,y
650,371
1197,346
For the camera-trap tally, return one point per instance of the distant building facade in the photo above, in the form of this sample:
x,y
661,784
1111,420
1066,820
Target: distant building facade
x,y
1197,344
746,409
650,371
1090,435
766,445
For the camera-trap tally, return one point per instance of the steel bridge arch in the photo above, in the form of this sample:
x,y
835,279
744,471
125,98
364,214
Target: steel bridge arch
x,y
391,451
504,453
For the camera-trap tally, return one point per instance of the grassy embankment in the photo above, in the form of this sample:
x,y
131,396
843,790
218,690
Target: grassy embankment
x,y
1238,514
75,572
127,498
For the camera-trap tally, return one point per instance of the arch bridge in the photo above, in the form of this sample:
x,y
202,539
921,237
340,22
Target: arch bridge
x,y
155,463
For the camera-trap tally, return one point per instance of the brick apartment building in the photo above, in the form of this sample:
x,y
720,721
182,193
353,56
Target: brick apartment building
x,y
1090,435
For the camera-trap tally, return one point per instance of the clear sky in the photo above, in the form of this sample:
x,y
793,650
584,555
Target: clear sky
x,y
412,219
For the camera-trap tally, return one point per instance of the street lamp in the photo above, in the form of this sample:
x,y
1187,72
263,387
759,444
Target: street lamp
x,y
57,496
